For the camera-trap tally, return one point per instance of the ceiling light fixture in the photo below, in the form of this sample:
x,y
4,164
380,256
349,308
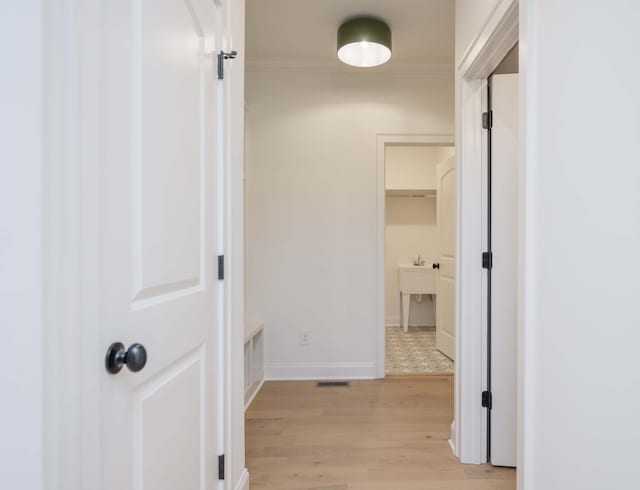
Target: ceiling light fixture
x,y
364,42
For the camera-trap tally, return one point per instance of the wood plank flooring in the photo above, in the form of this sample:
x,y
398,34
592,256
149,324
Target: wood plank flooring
x,y
375,435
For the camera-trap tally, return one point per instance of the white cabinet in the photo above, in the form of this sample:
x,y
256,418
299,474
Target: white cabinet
x,y
253,361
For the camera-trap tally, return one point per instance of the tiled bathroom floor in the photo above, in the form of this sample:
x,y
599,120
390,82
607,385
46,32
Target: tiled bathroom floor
x,y
415,352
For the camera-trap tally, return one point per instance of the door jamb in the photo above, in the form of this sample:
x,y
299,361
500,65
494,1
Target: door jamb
x,y
71,243
383,139
494,41
236,474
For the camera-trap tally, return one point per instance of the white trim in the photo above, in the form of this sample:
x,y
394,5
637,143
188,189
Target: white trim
x,y
382,139
319,371
496,38
452,437
243,482
254,392
234,119
394,321
71,222
526,237
304,65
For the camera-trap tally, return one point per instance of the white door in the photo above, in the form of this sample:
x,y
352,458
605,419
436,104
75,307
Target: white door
x,y
445,306
158,223
504,273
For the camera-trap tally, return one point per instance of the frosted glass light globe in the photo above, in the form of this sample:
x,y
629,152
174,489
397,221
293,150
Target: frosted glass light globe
x,y
364,54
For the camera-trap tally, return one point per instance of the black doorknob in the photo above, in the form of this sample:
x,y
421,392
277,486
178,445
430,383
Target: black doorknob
x,y
135,357
435,266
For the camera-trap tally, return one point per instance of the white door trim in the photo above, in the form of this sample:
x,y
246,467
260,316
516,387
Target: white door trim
x,y
494,41
236,475
382,139
71,219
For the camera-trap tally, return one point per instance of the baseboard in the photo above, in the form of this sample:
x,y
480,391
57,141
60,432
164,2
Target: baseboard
x,y
243,482
452,438
397,324
392,321
253,395
453,447
329,370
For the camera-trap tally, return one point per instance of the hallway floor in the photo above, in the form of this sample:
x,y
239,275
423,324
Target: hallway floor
x,y
375,435
415,352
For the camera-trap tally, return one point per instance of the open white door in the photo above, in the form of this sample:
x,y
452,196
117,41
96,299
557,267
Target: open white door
x,y
445,306
504,273
158,226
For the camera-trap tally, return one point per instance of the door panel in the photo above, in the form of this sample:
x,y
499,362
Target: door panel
x,y
169,450
445,309
158,208
167,202
504,245
168,159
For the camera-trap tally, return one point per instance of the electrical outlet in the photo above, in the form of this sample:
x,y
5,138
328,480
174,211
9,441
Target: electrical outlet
x,y
305,338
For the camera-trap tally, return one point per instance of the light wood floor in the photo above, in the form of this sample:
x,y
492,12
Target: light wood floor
x,y
376,435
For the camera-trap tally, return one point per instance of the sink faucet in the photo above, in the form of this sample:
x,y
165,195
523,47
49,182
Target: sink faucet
x,y
419,260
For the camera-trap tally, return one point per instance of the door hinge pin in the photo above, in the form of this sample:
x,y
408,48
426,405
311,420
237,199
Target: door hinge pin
x,y
220,267
221,467
487,120
224,55
487,260
487,399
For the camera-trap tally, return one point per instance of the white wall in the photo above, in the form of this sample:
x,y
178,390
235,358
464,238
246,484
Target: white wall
x,y
586,242
582,205
311,201
471,16
411,229
410,166
21,368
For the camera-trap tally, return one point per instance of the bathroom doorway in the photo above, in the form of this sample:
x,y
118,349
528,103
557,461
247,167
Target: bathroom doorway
x,y
417,175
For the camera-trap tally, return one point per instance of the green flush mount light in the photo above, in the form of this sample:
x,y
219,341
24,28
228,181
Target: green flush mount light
x,y
364,42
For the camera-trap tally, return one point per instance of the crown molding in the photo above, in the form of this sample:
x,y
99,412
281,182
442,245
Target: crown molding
x,y
301,65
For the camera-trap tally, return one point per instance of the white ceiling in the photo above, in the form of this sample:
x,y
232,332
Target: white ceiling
x,y
305,30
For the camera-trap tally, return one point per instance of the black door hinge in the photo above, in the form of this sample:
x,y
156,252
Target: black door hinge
x,y
222,55
487,399
487,120
220,267
487,260
221,467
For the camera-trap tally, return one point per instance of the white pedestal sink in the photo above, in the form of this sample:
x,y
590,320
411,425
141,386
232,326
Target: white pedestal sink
x,y
414,279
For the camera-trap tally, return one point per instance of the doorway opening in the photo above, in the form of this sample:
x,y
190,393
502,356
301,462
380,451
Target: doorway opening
x,y
315,276
418,329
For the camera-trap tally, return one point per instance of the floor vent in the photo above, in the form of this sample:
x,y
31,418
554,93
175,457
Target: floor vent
x,y
328,384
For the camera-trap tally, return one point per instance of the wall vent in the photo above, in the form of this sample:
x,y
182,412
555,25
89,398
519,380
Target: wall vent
x,y
328,384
